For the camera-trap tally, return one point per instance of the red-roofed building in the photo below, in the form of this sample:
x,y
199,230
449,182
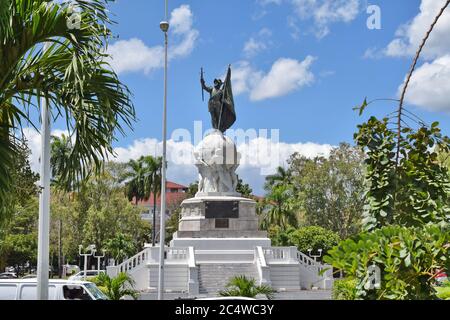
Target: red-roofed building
x,y
175,194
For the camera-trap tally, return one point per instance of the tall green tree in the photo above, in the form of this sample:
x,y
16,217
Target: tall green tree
x,y
244,188
23,185
281,177
120,247
279,208
330,190
135,180
18,243
413,192
73,75
152,185
406,212
61,148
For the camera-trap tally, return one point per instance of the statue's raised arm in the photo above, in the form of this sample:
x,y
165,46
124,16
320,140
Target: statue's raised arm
x,y
204,86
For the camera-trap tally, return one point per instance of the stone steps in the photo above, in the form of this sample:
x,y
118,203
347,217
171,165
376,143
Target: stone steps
x,y
214,277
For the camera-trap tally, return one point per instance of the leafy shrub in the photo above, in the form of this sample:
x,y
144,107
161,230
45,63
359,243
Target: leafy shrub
x,y
280,237
304,238
407,258
344,289
314,238
241,286
116,288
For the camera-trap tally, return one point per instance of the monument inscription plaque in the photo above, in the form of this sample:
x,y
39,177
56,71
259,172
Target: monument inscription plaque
x,y
221,209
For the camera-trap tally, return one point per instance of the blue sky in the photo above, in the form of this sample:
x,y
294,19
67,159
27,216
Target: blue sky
x,y
298,66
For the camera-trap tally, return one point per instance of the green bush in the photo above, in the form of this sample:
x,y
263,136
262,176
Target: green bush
x,y
344,289
116,288
241,286
314,238
407,259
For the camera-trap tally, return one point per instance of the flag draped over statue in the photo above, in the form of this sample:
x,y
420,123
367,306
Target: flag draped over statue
x,y
227,114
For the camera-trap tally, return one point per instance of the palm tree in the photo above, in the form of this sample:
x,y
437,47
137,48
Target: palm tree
x,y
241,286
72,74
61,148
152,185
118,287
279,208
135,180
282,176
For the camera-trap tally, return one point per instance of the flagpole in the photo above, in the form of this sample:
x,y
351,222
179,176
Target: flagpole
x,y
44,202
164,25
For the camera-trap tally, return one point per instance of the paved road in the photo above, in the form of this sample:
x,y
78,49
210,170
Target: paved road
x,y
296,295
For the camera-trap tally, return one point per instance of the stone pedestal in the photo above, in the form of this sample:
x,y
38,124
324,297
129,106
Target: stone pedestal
x,y
197,221
218,217
219,222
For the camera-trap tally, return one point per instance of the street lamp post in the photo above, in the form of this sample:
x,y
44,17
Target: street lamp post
x,y
44,202
315,256
98,259
164,25
91,249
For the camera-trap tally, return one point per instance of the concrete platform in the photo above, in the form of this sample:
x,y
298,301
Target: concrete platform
x,y
221,243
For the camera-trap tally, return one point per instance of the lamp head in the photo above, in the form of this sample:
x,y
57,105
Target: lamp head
x,y
164,25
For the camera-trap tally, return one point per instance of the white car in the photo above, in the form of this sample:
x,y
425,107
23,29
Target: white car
x,y
26,289
89,273
8,275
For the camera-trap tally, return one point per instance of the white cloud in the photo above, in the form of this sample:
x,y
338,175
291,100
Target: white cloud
x,y
326,12
429,88
181,166
244,77
373,53
133,55
181,22
252,47
410,35
258,43
430,85
285,76
34,143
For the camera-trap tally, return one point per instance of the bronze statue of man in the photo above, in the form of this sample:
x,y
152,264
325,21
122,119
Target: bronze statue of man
x,y
221,103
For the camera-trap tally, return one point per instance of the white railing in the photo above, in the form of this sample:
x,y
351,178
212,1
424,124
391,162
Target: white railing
x,y
193,283
262,267
279,254
177,254
313,274
130,264
306,260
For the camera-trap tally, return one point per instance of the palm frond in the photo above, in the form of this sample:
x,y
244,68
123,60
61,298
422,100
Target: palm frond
x,y
72,74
